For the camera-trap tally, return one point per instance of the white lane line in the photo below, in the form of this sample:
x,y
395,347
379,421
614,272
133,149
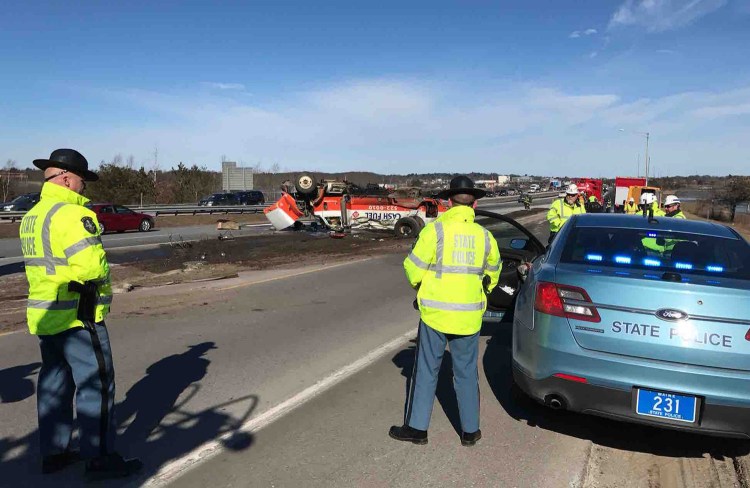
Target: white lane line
x,y
171,471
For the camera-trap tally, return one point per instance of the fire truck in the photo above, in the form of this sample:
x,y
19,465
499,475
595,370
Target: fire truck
x,y
341,206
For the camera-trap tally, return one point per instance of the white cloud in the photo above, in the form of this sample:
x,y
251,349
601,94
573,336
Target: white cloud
x,y
587,32
223,86
662,15
403,126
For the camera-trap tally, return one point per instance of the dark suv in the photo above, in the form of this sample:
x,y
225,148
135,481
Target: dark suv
x,y
219,200
250,197
21,203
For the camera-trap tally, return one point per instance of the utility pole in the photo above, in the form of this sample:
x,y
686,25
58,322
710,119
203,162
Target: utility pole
x,y
647,161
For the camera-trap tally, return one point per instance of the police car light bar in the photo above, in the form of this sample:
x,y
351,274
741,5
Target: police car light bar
x,y
651,262
683,265
623,259
715,269
594,257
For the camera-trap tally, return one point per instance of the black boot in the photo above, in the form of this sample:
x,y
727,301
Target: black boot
x,y
57,462
112,466
470,438
408,434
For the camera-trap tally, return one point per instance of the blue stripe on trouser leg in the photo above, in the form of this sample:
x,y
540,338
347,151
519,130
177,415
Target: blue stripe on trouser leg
x,y
94,379
428,356
464,352
55,389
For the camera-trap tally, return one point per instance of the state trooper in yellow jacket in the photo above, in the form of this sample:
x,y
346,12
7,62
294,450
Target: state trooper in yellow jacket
x,y
562,209
453,265
69,297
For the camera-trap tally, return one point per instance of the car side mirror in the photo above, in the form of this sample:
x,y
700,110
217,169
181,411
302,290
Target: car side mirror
x,y
518,244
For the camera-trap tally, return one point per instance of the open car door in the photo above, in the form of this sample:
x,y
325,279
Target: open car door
x,y
517,245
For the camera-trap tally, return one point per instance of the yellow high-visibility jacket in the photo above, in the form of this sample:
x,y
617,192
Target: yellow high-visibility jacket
x,y
560,211
631,208
61,243
448,264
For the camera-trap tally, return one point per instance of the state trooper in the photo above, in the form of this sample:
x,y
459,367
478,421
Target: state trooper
x,y
453,265
562,209
69,297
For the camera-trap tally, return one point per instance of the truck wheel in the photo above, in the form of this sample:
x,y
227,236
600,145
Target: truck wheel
x,y
305,185
420,222
406,227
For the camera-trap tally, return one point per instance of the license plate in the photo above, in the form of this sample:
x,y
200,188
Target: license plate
x,y
667,406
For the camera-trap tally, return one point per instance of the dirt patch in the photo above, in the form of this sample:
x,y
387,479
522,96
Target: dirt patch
x,y
271,251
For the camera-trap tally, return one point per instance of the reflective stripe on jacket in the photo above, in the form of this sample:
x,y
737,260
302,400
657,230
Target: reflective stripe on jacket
x,y
560,211
59,247
448,263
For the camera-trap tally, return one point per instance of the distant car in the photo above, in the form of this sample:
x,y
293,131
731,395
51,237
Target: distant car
x,y
219,200
639,320
250,197
22,203
117,218
503,193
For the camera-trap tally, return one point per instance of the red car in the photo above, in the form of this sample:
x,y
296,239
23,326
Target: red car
x,y
117,218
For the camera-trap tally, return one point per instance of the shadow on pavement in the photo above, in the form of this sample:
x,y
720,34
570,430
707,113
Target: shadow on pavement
x,y
155,424
16,384
619,435
444,393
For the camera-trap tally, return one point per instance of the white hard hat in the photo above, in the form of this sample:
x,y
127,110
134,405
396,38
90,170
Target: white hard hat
x,y
671,200
647,198
632,199
572,189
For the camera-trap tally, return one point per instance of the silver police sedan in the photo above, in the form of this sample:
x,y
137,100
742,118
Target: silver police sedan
x,y
639,319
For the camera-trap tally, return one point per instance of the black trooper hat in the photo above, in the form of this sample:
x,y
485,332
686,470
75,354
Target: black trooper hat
x,y
70,160
462,185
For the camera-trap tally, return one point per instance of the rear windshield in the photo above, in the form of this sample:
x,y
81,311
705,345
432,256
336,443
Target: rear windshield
x,y
659,251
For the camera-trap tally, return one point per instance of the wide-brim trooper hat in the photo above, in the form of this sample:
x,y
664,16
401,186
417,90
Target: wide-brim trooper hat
x,y
461,185
69,160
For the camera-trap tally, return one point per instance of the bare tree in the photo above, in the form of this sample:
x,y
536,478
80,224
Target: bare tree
x,y
7,183
117,160
275,168
130,164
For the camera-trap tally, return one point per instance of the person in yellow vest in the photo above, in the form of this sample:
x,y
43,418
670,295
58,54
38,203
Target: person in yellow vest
x,y
631,208
672,207
649,203
454,264
69,297
562,209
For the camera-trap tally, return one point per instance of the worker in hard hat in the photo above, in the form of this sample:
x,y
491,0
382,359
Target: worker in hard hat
x,y
672,207
650,204
631,208
562,209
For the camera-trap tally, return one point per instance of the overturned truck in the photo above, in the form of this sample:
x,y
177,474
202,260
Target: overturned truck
x,y
342,206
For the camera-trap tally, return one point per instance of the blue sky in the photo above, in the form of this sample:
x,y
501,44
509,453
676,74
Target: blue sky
x,y
538,87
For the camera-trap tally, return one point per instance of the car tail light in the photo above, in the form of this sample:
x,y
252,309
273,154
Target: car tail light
x,y
565,301
747,335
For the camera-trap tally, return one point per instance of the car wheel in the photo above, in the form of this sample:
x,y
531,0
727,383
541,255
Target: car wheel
x,y
305,185
145,225
406,227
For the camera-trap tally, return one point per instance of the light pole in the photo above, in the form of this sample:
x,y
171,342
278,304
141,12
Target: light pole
x,y
648,136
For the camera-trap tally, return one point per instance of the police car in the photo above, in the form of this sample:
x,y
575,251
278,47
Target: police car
x,y
641,320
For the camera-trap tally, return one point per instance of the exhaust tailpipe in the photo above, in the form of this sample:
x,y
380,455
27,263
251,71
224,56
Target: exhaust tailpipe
x,y
555,402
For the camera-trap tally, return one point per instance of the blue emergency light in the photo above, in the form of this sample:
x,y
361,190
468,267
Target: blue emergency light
x,y
623,259
651,234
715,269
683,265
651,262
594,257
